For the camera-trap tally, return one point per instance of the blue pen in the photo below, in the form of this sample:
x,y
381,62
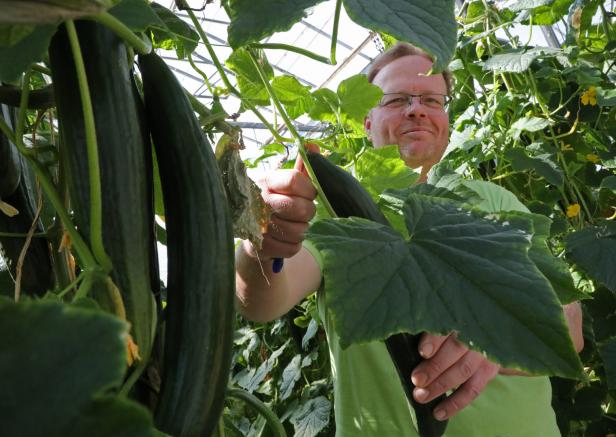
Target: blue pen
x,y
277,266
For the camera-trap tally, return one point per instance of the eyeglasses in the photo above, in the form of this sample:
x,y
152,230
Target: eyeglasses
x,y
400,100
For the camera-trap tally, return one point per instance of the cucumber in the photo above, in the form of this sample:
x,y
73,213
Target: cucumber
x,y
201,280
348,198
10,166
37,273
126,217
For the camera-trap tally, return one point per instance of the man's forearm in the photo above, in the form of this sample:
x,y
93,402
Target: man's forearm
x,y
260,294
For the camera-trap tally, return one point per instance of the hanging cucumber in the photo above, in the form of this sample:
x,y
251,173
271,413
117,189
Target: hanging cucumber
x,y
349,198
36,274
126,221
10,168
201,280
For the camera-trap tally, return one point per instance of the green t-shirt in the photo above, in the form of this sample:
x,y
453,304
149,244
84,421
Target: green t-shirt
x,y
369,399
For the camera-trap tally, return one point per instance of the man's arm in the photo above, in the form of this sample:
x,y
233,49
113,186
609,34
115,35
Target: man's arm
x,y
261,294
448,365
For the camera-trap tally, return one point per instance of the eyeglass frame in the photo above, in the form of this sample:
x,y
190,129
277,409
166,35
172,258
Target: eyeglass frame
x,y
410,97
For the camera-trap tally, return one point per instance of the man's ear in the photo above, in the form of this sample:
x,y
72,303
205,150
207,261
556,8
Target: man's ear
x,y
367,125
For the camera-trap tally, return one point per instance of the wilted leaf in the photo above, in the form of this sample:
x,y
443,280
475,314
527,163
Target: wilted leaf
x,y
249,212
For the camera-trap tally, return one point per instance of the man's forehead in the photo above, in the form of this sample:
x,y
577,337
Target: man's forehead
x,y
408,71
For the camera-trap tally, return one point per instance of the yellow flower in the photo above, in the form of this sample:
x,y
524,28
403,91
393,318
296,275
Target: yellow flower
x,y
589,97
592,158
573,210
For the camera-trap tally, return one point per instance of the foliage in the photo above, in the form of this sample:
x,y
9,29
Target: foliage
x,y
537,123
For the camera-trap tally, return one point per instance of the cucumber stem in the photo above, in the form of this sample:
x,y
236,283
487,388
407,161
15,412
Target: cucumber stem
x,y
225,79
334,44
272,420
294,49
298,139
141,45
96,204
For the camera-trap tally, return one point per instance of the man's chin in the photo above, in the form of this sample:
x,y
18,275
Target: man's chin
x,y
415,155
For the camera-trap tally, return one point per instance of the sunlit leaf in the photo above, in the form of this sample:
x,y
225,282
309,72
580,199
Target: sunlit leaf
x,y
427,24
309,419
518,60
253,20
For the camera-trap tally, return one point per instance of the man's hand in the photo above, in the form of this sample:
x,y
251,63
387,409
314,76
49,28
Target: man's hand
x,y
448,365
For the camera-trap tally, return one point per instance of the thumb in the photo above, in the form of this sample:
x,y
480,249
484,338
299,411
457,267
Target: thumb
x,y
299,163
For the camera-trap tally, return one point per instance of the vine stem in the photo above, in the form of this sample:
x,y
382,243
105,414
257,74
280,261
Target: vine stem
x,y
294,49
96,207
334,44
298,139
254,402
225,79
78,243
141,46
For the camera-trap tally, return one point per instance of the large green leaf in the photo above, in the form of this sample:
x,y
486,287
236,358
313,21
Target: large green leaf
x,y
594,250
527,4
49,11
253,20
606,97
527,124
427,24
16,59
457,272
350,103
248,79
54,360
357,96
311,417
175,34
518,60
11,34
544,165
380,169
551,13
138,15
492,198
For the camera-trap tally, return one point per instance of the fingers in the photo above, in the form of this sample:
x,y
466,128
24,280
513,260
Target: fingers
x,y
454,376
289,182
466,393
441,354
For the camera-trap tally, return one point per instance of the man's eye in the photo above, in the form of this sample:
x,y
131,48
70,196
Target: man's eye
x,y
432,101
396,101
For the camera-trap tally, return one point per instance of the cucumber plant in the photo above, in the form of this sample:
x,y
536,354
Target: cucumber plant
x,y
542,126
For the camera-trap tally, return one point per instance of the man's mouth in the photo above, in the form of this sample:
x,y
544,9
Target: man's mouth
x,y
415,129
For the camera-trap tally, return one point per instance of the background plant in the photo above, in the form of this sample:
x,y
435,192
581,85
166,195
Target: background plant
x,y
540,122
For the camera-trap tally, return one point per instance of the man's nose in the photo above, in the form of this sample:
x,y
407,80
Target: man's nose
x,y
414,108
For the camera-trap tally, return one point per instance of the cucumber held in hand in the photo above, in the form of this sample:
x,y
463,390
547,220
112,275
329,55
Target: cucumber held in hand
x,y
201,279
348,198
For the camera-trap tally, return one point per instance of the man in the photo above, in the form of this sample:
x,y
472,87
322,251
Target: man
x,y
368,396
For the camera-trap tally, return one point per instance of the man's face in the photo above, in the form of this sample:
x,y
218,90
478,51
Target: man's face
x,y
420,131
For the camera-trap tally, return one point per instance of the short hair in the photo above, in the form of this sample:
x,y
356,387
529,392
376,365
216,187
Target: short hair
x,y
399,50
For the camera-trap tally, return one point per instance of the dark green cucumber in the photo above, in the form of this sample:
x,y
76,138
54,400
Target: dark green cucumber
x,y
201,280
126,216
10,167
348,198
37,273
